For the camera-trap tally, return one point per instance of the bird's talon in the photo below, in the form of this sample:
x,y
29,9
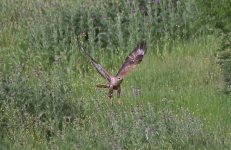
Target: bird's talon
x,y
119,101
111,101
134,58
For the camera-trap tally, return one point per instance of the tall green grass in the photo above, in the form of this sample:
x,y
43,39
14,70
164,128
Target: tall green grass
x,y
48,99
171,101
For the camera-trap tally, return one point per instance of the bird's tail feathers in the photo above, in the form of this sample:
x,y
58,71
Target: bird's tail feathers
x,y
101,86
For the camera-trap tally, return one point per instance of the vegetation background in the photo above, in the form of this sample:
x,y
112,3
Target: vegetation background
x,y
178,98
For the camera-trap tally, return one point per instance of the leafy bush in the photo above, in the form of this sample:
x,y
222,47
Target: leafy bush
x,y
35,96
216,14
224,57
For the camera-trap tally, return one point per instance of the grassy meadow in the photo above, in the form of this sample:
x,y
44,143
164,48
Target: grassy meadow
x,y
175,99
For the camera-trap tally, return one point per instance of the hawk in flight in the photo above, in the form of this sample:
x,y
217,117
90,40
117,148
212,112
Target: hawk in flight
x,y
132,60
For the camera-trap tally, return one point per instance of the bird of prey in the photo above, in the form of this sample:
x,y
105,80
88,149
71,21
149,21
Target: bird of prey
x,y
132,60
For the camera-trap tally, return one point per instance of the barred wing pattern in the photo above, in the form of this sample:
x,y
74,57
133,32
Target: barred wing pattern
x,y
133,59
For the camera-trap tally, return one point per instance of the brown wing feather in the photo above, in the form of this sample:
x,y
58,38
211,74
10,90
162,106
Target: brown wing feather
x,y
133,59
99,68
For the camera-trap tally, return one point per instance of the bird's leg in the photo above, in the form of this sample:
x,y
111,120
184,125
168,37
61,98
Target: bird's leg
x,y
110,94
118,95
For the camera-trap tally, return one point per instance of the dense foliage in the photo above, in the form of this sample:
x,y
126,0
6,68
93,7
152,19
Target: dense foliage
x,y
216,14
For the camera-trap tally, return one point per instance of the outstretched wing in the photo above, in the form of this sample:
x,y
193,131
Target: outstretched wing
x,y
133,59
98,67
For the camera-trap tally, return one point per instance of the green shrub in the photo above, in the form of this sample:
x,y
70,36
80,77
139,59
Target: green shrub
x,y
216,14
224,56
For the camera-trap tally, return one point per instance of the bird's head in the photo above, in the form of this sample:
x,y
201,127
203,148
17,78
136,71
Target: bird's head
x,y
119,78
